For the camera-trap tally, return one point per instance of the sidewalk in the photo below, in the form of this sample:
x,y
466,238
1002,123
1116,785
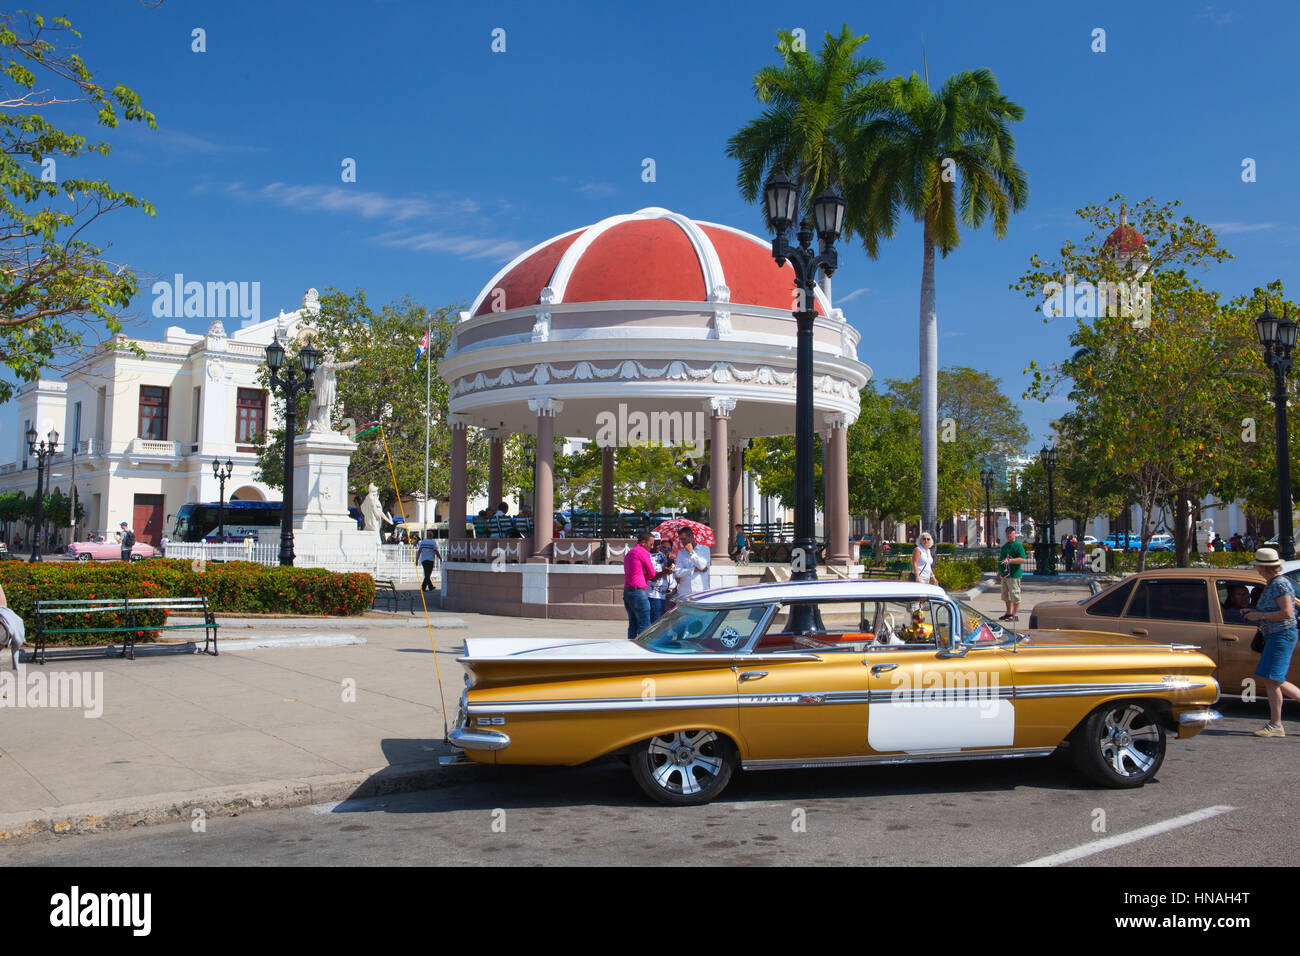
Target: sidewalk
x,y
333,709
272,727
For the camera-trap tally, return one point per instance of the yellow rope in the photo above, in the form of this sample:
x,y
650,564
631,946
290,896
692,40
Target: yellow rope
x,y
428,623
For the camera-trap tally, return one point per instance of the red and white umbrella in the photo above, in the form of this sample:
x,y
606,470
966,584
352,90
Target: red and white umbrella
x,y
672,528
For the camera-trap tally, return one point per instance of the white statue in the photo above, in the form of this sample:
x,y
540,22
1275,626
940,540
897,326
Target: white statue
x,y
324,394
374,514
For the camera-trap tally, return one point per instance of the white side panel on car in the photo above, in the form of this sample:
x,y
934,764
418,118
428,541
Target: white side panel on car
x,y
920,726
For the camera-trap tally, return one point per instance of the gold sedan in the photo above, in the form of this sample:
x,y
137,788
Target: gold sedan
x,y
824,674
1200,607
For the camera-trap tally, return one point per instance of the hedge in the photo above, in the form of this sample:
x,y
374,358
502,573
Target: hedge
x,y
958,575
1121,562
235,587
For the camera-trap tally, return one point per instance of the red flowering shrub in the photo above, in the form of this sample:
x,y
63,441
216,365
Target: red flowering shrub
x,y
232,588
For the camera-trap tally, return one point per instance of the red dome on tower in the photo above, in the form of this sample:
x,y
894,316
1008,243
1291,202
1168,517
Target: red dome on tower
x,y
1124,240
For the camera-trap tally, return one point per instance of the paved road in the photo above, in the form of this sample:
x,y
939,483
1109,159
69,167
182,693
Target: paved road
x,y
998,813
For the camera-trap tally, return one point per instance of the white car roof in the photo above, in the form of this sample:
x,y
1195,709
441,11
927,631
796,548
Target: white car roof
x,y
816,590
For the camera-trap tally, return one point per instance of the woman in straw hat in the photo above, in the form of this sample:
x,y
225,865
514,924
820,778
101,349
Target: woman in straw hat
x,y
1276,617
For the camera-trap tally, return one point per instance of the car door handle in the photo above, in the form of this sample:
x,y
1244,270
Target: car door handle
x,y
752,675
878,669
1140,632
1228,638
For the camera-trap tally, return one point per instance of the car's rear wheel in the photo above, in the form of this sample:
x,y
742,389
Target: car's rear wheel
x,y
684,769
1120,744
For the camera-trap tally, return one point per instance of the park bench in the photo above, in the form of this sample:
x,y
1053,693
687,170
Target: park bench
x,y
53,612
386,590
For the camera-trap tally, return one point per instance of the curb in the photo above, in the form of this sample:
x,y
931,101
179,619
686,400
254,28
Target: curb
x,y
129,812
990,583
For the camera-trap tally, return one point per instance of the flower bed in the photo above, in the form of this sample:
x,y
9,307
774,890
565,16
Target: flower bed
x,y
235,587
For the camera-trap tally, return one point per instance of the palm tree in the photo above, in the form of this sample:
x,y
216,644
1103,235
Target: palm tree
x,y
805,130
911,146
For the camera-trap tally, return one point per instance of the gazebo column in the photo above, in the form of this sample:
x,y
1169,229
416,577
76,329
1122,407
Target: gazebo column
x,y
607,480
456,491
496,455
837,489
544,491
735,483
720,410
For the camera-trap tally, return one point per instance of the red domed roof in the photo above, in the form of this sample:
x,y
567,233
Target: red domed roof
x,y
1124,240
651,254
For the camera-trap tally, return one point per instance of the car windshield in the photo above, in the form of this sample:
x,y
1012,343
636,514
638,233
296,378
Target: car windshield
x,y
691,629
981,631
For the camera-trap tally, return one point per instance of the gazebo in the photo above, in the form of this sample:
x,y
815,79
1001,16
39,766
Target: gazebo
x,y
649,318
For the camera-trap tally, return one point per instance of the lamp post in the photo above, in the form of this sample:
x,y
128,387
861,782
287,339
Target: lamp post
x,y
1278,339
221,475
986,479
1048,457
41,450
782,198
290,385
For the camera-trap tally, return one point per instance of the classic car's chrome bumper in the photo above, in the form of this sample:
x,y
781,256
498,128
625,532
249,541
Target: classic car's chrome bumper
x,y
478,739
1201,717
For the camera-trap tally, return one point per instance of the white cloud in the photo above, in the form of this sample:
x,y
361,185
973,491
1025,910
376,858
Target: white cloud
x,y
467,247
367,205
1228,228
1220,19
840,299
596,190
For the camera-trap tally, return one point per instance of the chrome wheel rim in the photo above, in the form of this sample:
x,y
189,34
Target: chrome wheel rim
x,y
1130,751
685,762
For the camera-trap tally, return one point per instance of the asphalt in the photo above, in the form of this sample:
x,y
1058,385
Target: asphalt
x,y
323,710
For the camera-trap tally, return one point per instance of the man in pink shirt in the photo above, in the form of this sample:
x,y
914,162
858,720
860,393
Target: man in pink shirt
x,y
638,570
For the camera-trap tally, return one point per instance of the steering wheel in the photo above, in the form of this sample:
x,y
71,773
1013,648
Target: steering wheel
x,y
886,633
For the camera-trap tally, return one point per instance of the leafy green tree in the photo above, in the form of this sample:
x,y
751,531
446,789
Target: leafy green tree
x,y
1158,394
386,387
55,286
915,145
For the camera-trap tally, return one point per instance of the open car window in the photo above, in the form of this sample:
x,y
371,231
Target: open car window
x,y
851,625
690,629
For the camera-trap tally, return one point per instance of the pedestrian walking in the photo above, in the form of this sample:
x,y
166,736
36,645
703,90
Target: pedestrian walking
x,y
163,544
691,565
661,588
1011,560
426,552
638,572
1275,613
923,560
127,538
1067,553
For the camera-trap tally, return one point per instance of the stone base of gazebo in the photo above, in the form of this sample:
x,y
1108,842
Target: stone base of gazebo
x,y
592,592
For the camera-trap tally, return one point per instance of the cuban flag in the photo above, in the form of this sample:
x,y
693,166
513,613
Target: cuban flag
x,y
422,349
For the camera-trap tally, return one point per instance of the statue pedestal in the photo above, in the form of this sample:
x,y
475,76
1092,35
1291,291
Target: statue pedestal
x,y
321,522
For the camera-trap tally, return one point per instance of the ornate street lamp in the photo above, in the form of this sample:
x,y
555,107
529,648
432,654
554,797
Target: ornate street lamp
x,y
782,198
290,385
221,475
41,450
1278,339
1048,457
986,479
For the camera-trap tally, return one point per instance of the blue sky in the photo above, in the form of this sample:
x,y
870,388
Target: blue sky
x,y
465,157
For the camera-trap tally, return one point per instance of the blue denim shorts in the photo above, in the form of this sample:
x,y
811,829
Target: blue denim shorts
x,y
1276,659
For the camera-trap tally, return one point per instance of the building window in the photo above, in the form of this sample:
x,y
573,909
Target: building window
x,y
250,416
153,412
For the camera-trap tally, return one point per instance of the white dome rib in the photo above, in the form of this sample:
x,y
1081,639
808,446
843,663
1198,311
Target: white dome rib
x,y
767,246
483,294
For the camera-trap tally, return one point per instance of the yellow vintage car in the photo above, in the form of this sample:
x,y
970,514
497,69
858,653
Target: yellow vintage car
x,y
827,674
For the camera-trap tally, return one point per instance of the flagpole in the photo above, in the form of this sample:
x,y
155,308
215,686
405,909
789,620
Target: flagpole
x,y
428,384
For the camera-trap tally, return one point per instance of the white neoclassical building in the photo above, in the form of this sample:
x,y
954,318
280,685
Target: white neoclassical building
x,y
140,432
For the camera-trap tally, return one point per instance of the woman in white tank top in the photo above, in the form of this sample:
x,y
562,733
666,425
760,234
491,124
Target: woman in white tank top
x,y
923,560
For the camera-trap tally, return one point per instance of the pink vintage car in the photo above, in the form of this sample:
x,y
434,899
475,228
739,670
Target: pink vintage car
x,y
108,551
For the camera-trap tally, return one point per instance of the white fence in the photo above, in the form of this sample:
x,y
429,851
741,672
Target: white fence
x,y
394,562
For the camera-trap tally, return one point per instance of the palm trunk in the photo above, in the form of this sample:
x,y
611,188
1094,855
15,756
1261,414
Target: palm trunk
x,y
929,389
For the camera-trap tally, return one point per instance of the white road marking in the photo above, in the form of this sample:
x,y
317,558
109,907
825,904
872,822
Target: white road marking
x,y
1120,839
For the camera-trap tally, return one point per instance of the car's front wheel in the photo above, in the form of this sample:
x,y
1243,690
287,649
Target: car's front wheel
x,y
684,769
84,557
1120,744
